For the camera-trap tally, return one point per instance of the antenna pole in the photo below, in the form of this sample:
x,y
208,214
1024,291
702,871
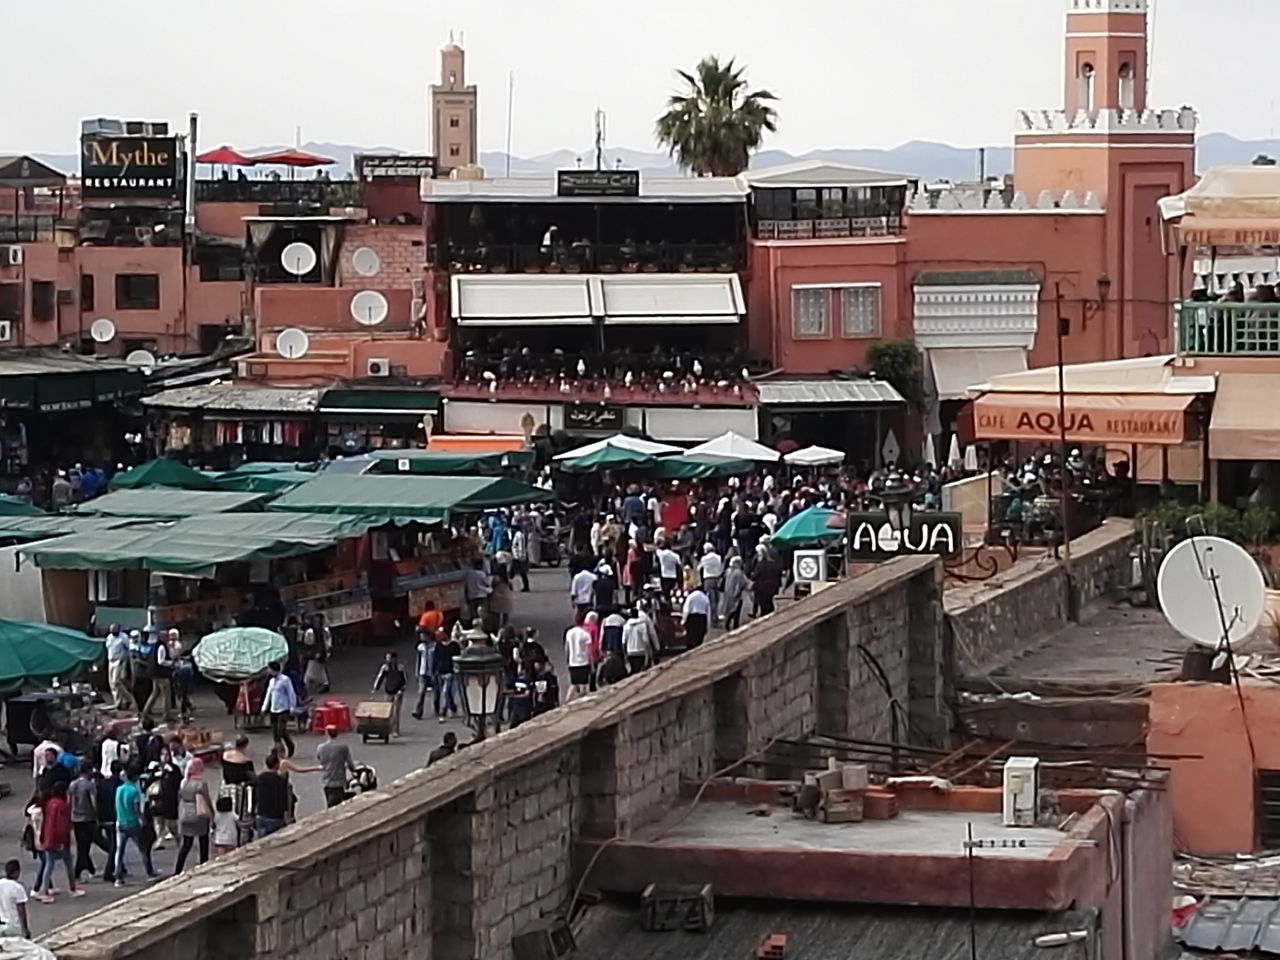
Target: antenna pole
x,y
511,98
973,897
599,139
1064,493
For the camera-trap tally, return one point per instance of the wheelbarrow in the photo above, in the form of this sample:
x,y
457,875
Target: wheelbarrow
x,y
373,719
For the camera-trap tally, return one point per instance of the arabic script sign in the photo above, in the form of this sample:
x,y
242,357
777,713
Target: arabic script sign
x,y
872,537
598,183
593,416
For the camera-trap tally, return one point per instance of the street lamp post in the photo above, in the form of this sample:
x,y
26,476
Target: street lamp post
x,y
480,670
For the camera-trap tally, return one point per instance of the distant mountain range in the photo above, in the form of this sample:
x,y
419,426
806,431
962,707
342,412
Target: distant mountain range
x,y
921,158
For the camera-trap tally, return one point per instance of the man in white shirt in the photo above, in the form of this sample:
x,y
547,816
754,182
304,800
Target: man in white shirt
x,y
114,748
582,591
13,903
577,655
280,701
520,557
40,759
117,644
640,638
668,568
711,573
696,616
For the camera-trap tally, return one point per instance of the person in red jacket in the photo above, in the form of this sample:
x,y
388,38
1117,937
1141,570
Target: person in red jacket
x,y
55,844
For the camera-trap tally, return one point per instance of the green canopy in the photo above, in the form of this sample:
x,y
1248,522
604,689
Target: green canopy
x,y
58,525
11,506
168,503
36,652
699,468
270,466
238,653
442,463
405,498
609,458
808,526
276,482
162,473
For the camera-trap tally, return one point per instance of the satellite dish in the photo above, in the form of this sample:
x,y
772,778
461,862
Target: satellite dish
x,y
1205,582
293,343
369,308
298,258
366,262
102,330
143,359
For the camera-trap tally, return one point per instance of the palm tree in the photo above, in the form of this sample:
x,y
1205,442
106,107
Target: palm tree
x,y
713,125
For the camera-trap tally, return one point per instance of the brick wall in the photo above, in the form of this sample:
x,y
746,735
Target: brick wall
x,y
399,248
449,862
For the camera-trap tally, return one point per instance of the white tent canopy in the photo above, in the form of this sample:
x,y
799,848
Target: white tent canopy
x,y
620,442
1228,193
1132,375
815,456
734,446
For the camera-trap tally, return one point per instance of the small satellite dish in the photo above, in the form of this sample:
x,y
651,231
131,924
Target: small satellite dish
x,y
143,359
102,330
292,343
298,258
1205,582
366,262
369,308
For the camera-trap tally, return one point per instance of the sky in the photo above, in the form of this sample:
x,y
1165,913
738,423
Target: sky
x,y
849,73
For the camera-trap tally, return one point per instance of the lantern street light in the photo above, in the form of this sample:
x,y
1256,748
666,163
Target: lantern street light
x,y
898,498
481,669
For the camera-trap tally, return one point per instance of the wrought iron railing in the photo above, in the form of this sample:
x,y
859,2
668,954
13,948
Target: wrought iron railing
x,y
1226,329
829,228
589,257
325,193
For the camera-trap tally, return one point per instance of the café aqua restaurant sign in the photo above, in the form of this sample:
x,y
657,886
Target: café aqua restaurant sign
x,y
930,533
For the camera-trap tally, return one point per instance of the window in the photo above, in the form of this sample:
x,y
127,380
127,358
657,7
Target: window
x,y
832,202
806,204
86,291
860,311
810,313
454,149
1086,87
455,122
1268,808
1126,86
11,302
137,291
43,300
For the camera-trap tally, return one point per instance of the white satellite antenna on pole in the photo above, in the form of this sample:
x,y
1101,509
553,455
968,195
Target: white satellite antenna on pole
x,y
144,360
369,308
1211,591
102,330
298,258
366,262
293,344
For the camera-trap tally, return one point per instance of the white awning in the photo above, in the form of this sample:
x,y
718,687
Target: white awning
x,y
672,298
620,442
515,300
734,446
957,369
815,456
815,393
1133,375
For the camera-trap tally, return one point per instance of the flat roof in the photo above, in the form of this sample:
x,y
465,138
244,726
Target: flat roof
x,y
542,189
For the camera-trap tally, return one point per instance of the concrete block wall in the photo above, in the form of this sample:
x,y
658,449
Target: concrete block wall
x,y
448,863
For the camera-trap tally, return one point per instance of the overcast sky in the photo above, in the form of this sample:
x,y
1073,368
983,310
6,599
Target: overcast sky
x,y
850,73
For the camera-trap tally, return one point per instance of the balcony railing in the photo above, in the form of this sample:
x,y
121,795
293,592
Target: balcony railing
x,y
323,193
828,229
1227,329
27,228
590,258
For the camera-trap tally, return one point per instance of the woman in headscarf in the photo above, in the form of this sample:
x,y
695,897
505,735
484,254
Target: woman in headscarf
x,y
195,813
591,624
734,588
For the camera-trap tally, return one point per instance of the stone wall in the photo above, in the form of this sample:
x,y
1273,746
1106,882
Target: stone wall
x,y
449,862
990,623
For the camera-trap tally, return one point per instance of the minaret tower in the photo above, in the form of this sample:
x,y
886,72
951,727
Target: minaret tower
x,y
1106,63
453,113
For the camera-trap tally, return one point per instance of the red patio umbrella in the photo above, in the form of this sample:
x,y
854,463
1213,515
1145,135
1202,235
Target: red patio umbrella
x,y
292,157
225,155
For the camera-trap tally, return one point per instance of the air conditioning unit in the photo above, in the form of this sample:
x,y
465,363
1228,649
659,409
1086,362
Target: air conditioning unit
x,y
549,939
1021,791
12,256
6,331
378,367
809,566
66,296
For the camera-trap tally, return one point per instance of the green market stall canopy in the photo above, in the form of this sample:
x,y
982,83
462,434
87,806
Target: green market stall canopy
x,y
51,382
403,499
162,472
35,652
163,502
11,506
443,463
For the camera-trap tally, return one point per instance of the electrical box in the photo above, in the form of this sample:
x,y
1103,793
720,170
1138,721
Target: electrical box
x,y
1021,791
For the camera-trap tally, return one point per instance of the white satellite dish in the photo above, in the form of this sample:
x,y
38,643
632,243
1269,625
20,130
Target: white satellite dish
x,y
102,330
145,360
366,262
1205,582
293,343
298,258
369,308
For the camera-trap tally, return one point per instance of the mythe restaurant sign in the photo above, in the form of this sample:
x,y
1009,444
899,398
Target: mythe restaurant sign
x,y
598,183
930,533
143,167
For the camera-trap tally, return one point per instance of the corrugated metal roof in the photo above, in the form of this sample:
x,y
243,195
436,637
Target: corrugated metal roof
x,y
35,363
835,933
232,397
811,173
776,393
1236,926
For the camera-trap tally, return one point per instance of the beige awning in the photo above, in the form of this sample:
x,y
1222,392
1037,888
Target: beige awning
x,y
1090,418
1229,193
1217,232
956,369
1244,424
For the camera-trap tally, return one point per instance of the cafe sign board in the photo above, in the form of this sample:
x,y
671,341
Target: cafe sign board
x,y
1085,418
598,183
594,416
930,533
386,166
140,167
1229,235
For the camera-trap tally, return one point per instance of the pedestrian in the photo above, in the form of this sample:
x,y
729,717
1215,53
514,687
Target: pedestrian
x,y
422,669
107,785
83,796
392,681
280,701
519,695
577,655
546,686
226,827
605,587
736,585
766,581
271,801
477,587
317,640
55,844
444,676
117,647
611,632
582,591
520,556
13,903
161,679
591,624
448,747
640,639
113,748
711,574
184,675
696,616
612,669
335,760
195,813
501,599
668,569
